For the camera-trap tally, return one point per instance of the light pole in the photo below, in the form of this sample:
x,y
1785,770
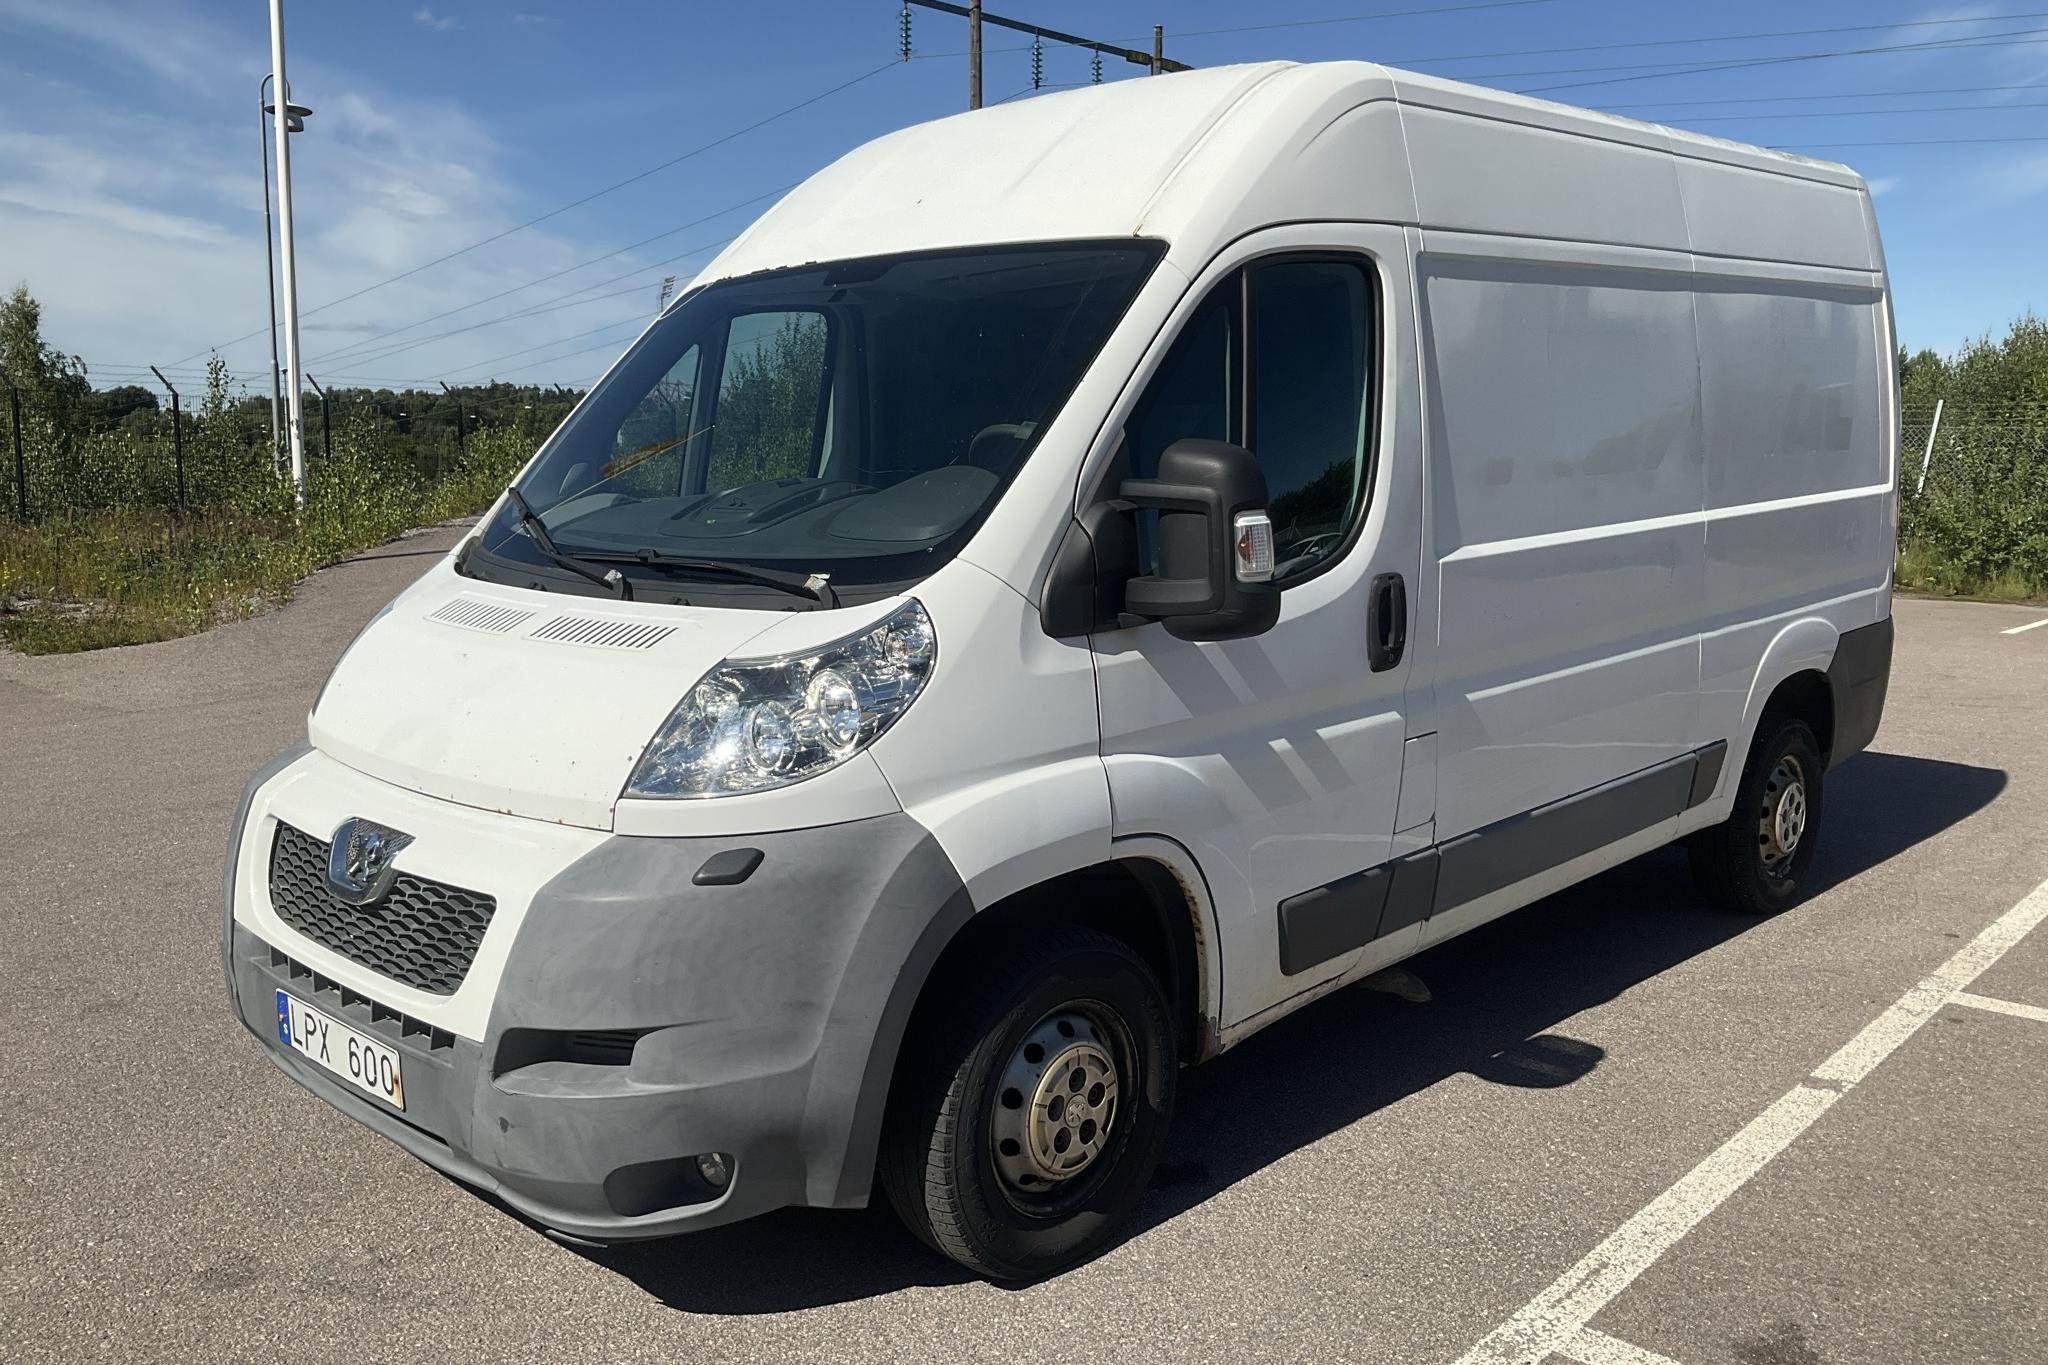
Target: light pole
x,y
288,259
295,116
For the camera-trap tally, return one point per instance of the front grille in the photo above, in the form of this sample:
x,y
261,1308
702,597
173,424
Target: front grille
x,y
367,1015
424,934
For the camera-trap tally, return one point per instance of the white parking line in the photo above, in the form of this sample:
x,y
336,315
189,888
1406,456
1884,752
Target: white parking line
x,y
2012,1007
1558,1316
2031,625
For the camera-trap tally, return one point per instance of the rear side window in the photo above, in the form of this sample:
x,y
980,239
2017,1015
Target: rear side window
x,y
1278,359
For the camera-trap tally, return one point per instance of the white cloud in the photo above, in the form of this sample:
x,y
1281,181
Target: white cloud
x,y
137,219
1883,185
428,19
171,44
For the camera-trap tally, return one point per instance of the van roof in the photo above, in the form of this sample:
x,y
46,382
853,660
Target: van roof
x,y
1203,156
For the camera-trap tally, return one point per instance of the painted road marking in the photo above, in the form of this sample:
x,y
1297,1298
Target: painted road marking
x,y
1560,1313
2031,625
1597,1348
2012,1007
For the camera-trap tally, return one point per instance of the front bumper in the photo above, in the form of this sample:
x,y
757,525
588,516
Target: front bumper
x,y
634,1020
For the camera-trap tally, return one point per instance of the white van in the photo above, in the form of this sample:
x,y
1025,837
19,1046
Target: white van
x,y
1071,584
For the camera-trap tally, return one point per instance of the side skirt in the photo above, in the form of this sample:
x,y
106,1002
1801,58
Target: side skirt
x,y
1346,914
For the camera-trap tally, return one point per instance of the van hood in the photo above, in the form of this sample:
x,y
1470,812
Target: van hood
x,y
526,703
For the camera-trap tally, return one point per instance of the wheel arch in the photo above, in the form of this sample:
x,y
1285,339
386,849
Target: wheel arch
x,y
1150,896
1791,676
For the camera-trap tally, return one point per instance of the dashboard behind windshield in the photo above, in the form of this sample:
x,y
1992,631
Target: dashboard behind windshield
x,y
855,420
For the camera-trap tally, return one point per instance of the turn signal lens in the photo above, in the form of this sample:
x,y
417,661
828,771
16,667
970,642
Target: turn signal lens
x,y
753,724
1253,537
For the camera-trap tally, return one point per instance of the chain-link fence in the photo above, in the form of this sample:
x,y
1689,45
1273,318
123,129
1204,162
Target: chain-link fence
x,y
1973,513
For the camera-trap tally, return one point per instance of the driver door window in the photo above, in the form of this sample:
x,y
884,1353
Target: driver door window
x,y
1279,359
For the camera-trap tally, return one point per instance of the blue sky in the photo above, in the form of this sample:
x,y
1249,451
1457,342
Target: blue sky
x,y
130,200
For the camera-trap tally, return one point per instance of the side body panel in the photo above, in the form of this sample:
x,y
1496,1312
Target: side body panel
x,y
1564,477
1801,454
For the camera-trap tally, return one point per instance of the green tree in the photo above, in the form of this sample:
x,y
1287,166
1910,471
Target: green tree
x,y
53,385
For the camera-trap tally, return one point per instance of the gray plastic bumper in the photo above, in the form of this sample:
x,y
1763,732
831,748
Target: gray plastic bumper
x,y
768,1015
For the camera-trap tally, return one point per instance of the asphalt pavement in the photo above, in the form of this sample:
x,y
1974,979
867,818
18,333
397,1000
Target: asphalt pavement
x,y
1618,1127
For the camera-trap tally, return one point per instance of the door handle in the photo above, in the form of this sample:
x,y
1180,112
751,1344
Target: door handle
x,y
1386,622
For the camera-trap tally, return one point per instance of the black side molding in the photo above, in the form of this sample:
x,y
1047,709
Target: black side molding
x,y
1708,773
1346,914
1317,925
1510,850
1858,679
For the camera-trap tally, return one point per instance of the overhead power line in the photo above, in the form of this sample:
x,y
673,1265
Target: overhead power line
x,y
572,204
367,342
1911,142
557,305
638,319
1847,95
1864,113
1713,38
1359,18
2018,37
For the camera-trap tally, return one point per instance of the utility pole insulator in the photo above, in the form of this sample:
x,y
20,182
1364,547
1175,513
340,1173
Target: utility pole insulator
x,y
903,22
1156,61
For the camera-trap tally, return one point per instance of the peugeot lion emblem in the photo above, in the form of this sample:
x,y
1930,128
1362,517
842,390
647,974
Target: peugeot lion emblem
x,y
359,869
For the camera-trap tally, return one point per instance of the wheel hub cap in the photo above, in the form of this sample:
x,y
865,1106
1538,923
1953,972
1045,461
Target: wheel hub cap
x,y
1782,821
1056,1103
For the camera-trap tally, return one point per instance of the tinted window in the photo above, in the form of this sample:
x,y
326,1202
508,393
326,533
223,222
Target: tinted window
x,y
1309,353
1311,366
853,420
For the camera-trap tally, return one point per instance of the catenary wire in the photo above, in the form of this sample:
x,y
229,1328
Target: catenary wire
x,y
575,203
367,343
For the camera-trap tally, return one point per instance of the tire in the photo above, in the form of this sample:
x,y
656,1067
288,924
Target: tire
x,y
979,1106
1744,863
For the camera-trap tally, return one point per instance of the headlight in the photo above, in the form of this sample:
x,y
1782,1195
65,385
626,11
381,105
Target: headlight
x,y
752,724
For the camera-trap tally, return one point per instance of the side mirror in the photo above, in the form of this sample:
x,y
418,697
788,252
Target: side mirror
x,y
1215,579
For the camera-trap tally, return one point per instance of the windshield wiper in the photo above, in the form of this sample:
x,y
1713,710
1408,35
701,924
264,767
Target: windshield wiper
x,y
815,586
537,531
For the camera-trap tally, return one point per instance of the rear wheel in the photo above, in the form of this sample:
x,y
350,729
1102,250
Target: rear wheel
x,y
1756,860
1033,1104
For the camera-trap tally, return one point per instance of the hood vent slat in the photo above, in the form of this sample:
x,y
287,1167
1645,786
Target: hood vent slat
x,y
588,630
474,614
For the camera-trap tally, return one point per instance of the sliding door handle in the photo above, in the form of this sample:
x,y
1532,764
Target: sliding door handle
x,y
1386,622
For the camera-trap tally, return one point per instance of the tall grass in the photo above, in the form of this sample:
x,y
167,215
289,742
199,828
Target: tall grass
x,y
108,560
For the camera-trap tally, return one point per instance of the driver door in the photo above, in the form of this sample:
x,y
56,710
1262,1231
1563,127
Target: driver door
x,y
1277,760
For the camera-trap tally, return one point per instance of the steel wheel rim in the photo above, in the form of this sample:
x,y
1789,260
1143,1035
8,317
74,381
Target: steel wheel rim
x,y
1782,817
1056,1108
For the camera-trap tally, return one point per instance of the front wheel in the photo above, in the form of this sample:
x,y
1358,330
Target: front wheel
x,y
1033,1104
1756,860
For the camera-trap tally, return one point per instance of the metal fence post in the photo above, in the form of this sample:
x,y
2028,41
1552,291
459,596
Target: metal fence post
x,y
326,430
177,437
20,459
1927,456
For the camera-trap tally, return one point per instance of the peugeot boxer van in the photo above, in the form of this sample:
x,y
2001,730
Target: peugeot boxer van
x,y
1071,584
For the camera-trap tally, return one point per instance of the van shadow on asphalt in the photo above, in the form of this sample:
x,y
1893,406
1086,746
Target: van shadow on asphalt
x,y
1495,996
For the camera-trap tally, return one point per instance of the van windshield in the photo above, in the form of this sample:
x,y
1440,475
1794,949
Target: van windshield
x,y
854,421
